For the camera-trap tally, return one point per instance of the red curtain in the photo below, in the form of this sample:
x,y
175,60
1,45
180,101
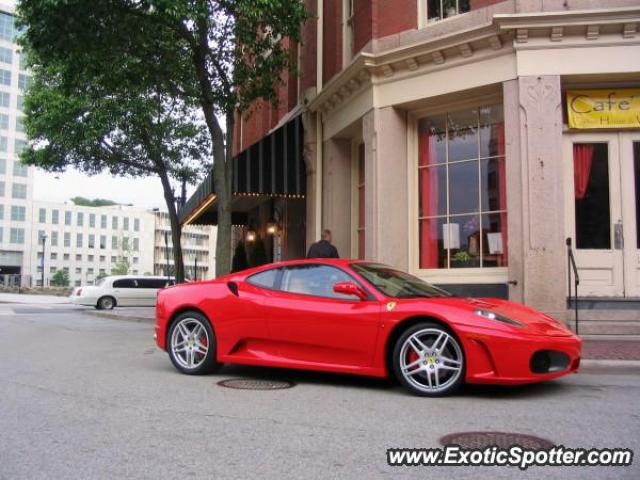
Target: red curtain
x,y
428,202
502,188
582,159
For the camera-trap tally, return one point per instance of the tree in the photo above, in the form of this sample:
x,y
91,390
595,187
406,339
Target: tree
x,y
238,56
221,55
92,202
122,267
60,279
94,107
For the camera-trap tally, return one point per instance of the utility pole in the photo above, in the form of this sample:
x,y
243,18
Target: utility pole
x,y
44,241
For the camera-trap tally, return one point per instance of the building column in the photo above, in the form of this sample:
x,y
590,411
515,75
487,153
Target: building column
x,y
535,200
336,193
384,132
313,164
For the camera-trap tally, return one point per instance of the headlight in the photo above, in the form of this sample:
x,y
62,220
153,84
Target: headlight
x,y
496,316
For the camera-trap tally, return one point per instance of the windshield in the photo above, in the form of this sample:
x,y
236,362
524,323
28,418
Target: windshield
x,y
99,281
397,284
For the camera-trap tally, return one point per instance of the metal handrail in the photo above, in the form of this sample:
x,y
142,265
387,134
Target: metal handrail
x,y
573,267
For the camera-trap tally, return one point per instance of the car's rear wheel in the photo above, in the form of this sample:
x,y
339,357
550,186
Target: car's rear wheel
x,y
106,303
429,361
192,344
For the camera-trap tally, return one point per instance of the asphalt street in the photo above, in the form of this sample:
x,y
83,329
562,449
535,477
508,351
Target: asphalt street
x,y
89,397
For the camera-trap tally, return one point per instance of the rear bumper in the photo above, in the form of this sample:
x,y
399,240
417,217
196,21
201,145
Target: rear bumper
x,y
510,360
80,300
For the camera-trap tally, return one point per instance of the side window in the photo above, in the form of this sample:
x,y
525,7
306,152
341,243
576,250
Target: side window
x,y
146,283
264,279
125,283
317,280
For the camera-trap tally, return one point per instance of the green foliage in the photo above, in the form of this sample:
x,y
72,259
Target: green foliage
x,y
239,258
257,253
150,87
60,279
92,202
122,267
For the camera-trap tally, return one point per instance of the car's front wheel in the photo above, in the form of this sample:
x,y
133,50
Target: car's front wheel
x,y
429,361
192,344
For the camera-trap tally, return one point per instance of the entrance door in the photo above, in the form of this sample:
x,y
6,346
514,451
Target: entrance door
x,y
602,172
630,173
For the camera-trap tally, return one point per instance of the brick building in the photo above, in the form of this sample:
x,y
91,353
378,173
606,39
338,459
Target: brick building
x,y
463,141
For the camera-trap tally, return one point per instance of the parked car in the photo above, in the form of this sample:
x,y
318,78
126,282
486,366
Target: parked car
x,y
120,290
361,318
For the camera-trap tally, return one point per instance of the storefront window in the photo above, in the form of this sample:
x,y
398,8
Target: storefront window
x,y
462,195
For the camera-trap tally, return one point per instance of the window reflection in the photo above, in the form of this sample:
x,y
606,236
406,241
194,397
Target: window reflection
x,y
462,190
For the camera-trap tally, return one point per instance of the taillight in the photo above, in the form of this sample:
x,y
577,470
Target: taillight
x,y
78,292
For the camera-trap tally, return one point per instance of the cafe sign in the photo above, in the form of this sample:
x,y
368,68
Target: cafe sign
x,y
614,108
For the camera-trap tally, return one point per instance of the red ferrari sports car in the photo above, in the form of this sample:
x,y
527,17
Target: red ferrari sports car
x,y
362,318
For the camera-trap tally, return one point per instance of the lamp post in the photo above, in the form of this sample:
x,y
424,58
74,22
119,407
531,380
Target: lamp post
x,y
195,268
44,241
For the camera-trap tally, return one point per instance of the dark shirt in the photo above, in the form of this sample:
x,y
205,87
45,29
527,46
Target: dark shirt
x,y
322,249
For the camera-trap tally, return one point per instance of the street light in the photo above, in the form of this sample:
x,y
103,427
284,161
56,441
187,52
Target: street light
x,y
44,241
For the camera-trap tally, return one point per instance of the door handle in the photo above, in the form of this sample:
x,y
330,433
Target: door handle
x,y
618,236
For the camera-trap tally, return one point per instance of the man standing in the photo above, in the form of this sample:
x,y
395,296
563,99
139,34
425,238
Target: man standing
x,y
323,248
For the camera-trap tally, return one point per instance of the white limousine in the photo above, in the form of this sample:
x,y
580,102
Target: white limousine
x,y
120,290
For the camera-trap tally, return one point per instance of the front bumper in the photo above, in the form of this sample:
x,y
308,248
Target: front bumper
x,y
511,359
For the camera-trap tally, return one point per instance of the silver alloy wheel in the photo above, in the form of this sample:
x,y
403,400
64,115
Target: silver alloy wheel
x,y
189,343
431,360
106,303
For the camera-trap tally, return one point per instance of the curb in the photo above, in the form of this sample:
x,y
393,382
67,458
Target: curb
x,y
128,318
610,366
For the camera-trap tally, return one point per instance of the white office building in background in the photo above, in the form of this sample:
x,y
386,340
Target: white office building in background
x,y
16,180
198,249
88,242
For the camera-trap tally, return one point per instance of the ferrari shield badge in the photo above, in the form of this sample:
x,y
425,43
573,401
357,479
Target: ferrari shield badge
x,y
391,306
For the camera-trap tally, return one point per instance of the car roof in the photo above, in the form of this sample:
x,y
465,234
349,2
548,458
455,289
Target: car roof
x,y
153,277
338,262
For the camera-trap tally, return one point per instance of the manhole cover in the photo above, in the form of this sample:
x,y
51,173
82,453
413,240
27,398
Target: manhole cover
x,y
255,384
499,439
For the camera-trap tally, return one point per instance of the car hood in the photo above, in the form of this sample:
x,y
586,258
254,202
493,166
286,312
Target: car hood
x,y
537,323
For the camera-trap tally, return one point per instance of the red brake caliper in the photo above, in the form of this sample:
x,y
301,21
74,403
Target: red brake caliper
x,y
413,356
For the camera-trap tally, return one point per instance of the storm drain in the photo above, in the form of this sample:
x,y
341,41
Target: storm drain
x,y
499,439
255,384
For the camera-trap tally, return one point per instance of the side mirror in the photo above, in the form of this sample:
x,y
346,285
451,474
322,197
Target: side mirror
x,y
350,288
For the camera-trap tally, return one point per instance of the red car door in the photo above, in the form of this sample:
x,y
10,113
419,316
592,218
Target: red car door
x,y
310,323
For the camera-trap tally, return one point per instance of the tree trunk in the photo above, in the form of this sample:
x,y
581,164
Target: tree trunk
x,y
222,172
176,228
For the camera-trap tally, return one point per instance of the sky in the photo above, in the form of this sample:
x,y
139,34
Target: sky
x,y
141,192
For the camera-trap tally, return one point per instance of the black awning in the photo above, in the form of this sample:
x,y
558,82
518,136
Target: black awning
x,y
272,167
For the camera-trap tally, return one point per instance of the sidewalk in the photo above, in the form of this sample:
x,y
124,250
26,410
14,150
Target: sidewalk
x,y
32,299
610,356
131,314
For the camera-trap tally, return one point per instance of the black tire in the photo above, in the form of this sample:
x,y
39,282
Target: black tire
x,y
206,363
444,367
106,303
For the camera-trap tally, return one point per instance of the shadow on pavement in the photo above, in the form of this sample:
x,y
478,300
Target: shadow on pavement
x,y
302,377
